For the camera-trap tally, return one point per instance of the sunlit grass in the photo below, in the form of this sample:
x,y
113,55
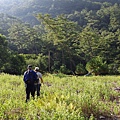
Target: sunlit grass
x,y
62,98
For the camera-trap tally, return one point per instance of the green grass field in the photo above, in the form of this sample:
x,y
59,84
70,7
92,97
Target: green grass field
x,y
62,98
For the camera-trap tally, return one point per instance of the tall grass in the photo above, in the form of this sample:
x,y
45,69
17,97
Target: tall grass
x,y
62,98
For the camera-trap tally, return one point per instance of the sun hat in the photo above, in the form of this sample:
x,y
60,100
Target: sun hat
x,y
29,66
36,68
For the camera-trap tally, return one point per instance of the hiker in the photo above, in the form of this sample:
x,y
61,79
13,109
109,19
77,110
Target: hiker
x,y
30,77
39,81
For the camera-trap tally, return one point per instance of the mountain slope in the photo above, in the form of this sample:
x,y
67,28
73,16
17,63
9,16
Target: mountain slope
x,y
25,10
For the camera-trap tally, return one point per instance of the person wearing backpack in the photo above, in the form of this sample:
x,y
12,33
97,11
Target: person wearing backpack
x,y
30,77
39,81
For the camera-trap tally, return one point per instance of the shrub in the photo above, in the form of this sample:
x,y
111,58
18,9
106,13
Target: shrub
x,y
114,69
97,66
64,70
80,69
15,64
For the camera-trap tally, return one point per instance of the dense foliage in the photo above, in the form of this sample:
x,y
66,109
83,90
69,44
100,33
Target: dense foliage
x,y
3,50
72,34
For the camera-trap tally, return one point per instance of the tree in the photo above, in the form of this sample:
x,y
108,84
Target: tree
x,y
4,54
24,39
89,43
64,36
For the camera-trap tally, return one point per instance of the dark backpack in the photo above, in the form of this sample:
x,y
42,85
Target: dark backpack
x,y
30,77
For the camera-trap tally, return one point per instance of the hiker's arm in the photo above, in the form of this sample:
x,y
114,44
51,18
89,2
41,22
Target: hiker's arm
x,y
24,78
42,80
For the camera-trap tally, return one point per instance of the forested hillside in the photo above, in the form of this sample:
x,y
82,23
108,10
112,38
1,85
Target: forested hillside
x,y
25,9
68,36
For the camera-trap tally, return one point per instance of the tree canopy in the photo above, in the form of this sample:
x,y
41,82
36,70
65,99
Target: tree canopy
x,y
64,34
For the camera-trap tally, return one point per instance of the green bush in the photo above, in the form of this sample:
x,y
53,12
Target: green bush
x,y
15,64
80,69
96,66
64,70
114,69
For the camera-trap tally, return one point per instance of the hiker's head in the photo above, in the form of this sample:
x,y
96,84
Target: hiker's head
x,y
36,68
29,67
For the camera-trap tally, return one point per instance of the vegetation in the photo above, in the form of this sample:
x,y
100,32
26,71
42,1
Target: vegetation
x,y
62,34
62,97
62,37
97,66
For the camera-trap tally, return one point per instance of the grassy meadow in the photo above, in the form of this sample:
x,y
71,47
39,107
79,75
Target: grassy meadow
x,y
62,98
